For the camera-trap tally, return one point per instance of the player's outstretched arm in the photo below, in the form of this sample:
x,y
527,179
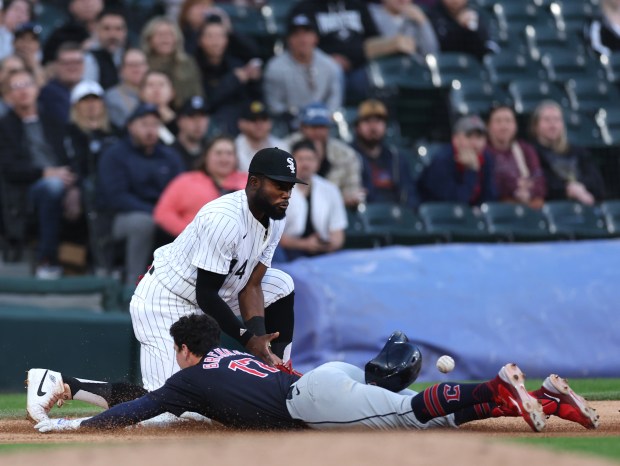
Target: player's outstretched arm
x,y
122,415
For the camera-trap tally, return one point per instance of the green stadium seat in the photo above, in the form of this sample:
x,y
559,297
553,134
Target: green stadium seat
x,y
357,236
563,64
583,130
608,120
540,39
589,95
476,96
611,213
504,68
458,221
399,224
573,15
519,222
453,65
575,219
528,93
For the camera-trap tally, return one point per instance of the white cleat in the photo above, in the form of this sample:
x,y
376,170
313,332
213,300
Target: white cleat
x,y
45,388
509,388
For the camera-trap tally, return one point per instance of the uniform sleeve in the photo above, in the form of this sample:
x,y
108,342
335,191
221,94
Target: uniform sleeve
x,y
217,236
125,414
180,393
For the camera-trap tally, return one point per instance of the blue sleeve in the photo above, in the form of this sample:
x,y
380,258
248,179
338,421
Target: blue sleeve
x,y
440,182
489,188
407,184
114,184
125,414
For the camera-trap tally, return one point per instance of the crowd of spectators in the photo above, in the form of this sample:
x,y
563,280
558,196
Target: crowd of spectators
x,y
149,124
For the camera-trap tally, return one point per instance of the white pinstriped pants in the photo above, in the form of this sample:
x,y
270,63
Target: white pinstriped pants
x,y
154,309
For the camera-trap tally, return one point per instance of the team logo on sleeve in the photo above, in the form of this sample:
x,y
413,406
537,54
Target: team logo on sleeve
x,y
291,164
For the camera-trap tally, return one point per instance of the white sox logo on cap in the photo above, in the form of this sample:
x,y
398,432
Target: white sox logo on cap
x,y
275,164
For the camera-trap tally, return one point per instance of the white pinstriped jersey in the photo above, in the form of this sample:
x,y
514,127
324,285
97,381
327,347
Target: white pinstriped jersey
x,y
224,238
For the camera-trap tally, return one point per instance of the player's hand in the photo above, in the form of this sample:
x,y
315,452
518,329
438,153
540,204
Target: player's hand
x,y
260,346
59,424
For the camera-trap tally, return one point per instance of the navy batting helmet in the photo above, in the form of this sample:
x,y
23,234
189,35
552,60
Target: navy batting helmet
x,y
397,365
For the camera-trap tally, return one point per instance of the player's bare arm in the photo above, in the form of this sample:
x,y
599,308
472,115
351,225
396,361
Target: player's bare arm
x,y
252,307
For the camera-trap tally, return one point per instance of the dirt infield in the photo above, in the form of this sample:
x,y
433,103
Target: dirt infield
x,y
478,444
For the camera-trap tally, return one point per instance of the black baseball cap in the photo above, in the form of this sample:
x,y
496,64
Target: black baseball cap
x,y
195,105
275,164
143,109
255,110
28,28
301,21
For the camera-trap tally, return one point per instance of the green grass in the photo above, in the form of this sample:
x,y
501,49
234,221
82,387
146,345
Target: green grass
x,y
608,447
13,406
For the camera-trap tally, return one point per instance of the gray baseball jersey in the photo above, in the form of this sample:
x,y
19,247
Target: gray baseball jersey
x,y
223,238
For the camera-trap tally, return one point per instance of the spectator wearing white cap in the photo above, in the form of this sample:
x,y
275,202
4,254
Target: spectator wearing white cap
x,y
338,161
87,135
303,73
89,131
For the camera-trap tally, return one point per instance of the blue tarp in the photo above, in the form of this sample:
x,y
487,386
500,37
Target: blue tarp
x,y
549,307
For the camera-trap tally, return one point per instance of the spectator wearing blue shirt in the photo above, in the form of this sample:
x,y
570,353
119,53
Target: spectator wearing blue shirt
x,y
386,175
132,175
463,171
55,97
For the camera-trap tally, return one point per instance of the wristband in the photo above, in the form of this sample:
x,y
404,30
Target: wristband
x,y
256,325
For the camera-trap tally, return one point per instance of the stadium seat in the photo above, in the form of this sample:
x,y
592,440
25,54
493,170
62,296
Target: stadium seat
x,y
608,121
541,39
454,65
399,71
458,221
572,15
513,16
398,224
357,236
583,130
418,100
563,64
588,95
519,222
476,96
575,219
504,68
611,213
528,93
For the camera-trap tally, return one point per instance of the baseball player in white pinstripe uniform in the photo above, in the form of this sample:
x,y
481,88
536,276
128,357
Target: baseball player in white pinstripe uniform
x,y
220,265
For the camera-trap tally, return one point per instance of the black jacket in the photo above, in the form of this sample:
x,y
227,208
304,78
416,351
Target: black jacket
x,y
15,158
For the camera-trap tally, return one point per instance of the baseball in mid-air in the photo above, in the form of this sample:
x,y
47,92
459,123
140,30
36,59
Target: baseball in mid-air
x,y
445,364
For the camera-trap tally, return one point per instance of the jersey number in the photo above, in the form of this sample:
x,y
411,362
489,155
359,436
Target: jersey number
x,y
242,365
240,271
